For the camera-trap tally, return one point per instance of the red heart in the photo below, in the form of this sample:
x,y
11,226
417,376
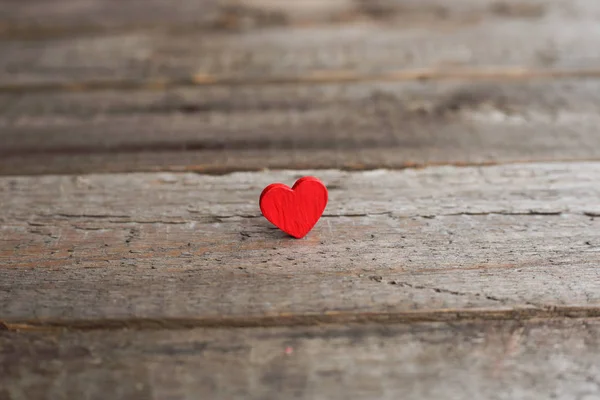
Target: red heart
x,y
295,211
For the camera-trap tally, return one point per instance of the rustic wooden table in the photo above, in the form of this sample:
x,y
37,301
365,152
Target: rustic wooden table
x,y
458,257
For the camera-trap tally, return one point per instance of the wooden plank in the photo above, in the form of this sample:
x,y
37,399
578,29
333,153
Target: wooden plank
x,y
560,35
492,360
41,18
507,241
355,126
36,18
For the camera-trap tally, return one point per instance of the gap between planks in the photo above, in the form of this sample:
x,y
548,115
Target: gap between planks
x,y
314,77
292,320
221,170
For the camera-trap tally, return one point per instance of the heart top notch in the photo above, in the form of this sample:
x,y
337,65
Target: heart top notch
x,y
294,210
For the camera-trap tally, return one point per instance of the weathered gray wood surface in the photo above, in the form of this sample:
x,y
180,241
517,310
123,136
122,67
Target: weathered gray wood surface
x,y
406,40
186,249
491,271
328,126
34,19
40,18
484,360
316,122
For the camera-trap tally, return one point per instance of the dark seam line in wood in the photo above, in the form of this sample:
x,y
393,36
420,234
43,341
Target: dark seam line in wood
x,y
290,320
195,145
126,219
315,77
35,33
220,170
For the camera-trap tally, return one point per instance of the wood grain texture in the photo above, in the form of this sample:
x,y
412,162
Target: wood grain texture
x,y
109,283
355,126
492,360
40,18
186,249
403,40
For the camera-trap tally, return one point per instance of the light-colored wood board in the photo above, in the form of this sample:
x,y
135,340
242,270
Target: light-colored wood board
x,y
354,126
187,249
561,35
491,360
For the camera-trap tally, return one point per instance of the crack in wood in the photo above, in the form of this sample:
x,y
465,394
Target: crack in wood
x,y
126,219
506,213
224,218
452,292
94,216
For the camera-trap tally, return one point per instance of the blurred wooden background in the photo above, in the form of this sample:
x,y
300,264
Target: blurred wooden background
x,y
458,257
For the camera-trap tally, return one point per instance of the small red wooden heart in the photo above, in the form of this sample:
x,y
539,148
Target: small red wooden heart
x,y
295,211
